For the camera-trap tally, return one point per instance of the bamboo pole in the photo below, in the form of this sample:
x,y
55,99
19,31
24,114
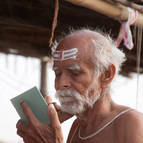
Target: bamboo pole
x,y
128,4
117,12
43,78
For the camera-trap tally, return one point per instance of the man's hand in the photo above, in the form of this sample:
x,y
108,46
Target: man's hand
x,y
37,132
63,116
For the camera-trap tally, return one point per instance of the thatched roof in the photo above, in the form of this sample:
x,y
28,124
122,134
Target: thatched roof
x,y
25,27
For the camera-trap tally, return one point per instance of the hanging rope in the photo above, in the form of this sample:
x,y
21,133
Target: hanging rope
x,y
139,45
135,35
54,24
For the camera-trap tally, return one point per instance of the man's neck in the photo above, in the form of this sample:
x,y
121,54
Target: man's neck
x,y
101,109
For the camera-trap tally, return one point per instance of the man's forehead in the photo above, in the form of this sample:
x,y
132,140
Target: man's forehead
x,y
69,48
72,48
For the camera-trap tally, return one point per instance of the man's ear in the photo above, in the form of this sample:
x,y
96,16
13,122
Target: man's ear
x,y
108,75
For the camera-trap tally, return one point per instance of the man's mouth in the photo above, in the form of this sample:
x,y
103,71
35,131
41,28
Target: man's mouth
x,y
67,100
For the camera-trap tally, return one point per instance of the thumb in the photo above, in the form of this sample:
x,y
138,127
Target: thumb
x,y
48,99
55,123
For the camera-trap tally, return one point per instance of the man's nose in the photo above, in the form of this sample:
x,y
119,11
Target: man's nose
x,y
64,81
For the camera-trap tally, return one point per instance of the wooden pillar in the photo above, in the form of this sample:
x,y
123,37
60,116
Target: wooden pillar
x,y
43,78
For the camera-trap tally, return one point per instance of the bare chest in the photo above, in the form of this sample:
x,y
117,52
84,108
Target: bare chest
x,y
108,135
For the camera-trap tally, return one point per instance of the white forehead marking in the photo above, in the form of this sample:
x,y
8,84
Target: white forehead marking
x,y
65,54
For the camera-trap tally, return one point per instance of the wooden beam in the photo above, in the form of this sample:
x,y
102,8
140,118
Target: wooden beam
x,y
23,49
22,34
128,4
117,12
26,41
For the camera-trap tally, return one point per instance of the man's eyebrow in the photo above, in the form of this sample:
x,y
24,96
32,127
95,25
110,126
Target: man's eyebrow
x,y
74,67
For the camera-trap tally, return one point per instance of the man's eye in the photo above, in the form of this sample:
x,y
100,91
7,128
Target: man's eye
x,y
75,73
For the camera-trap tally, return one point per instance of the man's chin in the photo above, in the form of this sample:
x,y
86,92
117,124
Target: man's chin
x,y
72,109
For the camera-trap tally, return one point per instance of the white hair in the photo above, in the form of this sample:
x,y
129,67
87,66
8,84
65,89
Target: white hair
x,y
106,53
105,50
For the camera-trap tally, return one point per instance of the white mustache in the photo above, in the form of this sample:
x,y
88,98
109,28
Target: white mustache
x,y
68,93
71,95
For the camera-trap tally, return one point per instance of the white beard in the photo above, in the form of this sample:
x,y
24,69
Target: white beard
x,y
79,102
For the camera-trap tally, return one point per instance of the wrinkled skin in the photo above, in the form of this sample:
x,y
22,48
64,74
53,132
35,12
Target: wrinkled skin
x,y
37,132
125,129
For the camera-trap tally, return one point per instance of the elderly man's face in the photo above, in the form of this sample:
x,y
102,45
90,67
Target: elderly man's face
x,y
75,82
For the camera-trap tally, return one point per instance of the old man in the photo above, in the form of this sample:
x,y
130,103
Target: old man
x,y
85,64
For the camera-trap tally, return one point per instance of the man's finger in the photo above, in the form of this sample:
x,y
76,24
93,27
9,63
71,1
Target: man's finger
x,y
28,113
55,123
21,126
48,99
20,133
62,115
58,108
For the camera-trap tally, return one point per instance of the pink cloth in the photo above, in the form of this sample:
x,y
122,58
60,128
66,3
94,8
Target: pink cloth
x,y
125,32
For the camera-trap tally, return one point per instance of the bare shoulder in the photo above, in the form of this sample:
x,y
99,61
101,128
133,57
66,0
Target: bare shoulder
x,y
132,126
134,120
